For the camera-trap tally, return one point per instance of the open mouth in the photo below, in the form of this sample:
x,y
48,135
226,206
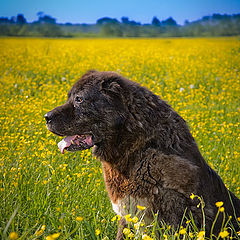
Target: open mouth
x,y
76,143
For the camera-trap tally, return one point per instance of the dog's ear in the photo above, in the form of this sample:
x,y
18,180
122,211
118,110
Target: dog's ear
x,y
110,85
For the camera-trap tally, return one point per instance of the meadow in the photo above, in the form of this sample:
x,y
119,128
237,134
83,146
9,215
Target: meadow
x,y
47,195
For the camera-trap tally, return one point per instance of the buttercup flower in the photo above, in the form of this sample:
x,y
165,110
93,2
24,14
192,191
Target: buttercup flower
x,y
126,231
13,236
192,196
97,232
201,235
224,234
141,207
79,218
219,204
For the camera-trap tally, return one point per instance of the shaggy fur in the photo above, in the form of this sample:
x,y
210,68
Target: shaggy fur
x,y
148,154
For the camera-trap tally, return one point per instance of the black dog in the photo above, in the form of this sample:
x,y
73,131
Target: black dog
x,y
148,154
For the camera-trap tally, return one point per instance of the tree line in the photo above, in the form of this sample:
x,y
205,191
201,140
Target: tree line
x,y
46,26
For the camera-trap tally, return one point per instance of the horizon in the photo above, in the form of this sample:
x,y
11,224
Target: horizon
x,y
80,12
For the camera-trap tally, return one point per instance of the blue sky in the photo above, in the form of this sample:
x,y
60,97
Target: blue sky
x,y
83,11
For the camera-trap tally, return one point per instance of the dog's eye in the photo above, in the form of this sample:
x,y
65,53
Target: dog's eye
x,y
79,99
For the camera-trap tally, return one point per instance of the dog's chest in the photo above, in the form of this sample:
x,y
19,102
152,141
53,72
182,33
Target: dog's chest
x,y
120,191
129,205
117,184
133,206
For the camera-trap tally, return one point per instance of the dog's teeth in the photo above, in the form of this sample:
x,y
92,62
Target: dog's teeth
x,y
72,142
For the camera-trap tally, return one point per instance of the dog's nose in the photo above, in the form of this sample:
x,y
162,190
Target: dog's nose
x,y
48,117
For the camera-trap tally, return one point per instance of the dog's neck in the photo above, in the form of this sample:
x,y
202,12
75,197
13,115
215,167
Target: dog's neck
x,y
120,153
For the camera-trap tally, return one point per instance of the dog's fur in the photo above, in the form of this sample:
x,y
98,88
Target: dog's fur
x,y
148,154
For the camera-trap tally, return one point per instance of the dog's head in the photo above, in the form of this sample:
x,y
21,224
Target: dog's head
x,y
95,112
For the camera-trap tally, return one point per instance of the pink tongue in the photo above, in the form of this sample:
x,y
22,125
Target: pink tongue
x,y
88,140
66,142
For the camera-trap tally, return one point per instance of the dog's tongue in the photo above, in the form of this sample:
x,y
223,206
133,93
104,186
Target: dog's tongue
x,y
66,142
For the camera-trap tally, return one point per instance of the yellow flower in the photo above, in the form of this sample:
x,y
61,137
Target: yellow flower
x,y
43,227
131,235
192,196
53,236
190,235
165,236
137,225
146,237
238,219
141,207
182,231
128,218
39,232
223,234
13,236
188,221
221,209
97,232
135,219
219,204
79,218
126,231
201,235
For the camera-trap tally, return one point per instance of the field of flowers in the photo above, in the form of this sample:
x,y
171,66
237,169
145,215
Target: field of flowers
x,y
47,195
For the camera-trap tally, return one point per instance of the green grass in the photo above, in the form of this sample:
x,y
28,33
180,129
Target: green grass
x,y
43,192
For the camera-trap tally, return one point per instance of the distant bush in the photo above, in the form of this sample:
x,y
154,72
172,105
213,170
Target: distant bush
x,y
46,26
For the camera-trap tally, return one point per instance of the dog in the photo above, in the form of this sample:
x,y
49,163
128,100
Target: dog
x,y
148,154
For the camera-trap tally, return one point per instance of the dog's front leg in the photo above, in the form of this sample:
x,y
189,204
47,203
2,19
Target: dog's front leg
x,y
121,225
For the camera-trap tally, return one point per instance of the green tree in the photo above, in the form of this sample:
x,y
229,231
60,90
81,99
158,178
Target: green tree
x,y
112,29
21,19
156,22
